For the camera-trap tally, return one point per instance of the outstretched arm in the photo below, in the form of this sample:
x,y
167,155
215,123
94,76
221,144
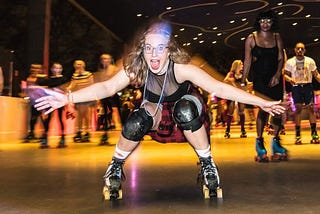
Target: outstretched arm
x,y
202,79
53,100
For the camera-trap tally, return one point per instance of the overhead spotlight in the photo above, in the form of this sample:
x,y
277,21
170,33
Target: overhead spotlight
x,y
316,39
168,8
295,23
181,29
214,42
244,19
201,41
199,34
195,38
308,16
280,13
242,38
280,3
139,14
214,28
219,34
232,21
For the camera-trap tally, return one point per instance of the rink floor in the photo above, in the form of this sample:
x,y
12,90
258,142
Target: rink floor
x,y
160,178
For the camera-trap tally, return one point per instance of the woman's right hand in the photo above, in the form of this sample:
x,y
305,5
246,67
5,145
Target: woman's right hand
x,y
53,100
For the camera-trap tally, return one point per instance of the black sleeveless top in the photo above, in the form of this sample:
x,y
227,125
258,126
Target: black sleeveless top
x,y
264,68
172,90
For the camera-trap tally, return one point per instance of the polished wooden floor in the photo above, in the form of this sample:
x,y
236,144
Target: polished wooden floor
x,y
160,178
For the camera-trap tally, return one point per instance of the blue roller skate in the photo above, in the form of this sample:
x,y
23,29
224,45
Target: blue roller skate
x,y
261,151
278,152
209,179
113,178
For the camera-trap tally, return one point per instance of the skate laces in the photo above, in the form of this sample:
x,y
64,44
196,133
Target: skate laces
x,y
207,167
115,169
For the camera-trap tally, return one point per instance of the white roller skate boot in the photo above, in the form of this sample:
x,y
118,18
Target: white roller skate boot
x,y
113,178
209,178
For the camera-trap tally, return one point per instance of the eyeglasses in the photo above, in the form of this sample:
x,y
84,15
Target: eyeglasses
x,y
148,49
265,21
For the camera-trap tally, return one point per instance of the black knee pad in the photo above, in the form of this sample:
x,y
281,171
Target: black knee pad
x,y
186,115
137,125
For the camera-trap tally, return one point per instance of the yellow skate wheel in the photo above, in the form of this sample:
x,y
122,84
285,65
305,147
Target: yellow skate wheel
x,y
106,193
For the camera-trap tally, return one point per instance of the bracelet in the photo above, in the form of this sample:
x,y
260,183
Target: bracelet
x,y
70,97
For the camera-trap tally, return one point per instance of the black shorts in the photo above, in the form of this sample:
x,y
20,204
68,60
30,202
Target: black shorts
x,y
303,94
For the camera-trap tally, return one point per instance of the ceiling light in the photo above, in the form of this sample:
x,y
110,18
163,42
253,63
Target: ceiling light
x,y
232,21
295,23
181,29
243,38
201,41
308,16
139,14
280,13
195,38
244,19
219,34
214,42
168,8
199,34
316,39
214,28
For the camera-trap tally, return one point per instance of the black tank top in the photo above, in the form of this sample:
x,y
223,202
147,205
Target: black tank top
x,y
173,91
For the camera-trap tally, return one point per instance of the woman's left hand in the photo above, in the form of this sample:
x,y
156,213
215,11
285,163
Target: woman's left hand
x,y
273,107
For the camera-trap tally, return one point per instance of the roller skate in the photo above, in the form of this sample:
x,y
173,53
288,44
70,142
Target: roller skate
x,y
104,140
278,152
62,143
85,138
261,151
44,142
243,134
208,177
30,138
114,176
77,137
298,140
315,138
227,134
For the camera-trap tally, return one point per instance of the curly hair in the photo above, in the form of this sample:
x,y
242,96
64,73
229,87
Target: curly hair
x,y
134,63
269,14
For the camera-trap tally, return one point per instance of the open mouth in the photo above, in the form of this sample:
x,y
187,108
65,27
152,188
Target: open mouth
x,y
155,64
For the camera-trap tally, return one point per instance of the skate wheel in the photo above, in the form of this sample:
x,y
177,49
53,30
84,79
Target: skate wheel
x,y
106,193
263,159
219,193
206,192
111,196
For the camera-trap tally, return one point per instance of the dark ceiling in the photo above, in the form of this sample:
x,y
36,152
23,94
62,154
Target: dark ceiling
x,y
215,24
